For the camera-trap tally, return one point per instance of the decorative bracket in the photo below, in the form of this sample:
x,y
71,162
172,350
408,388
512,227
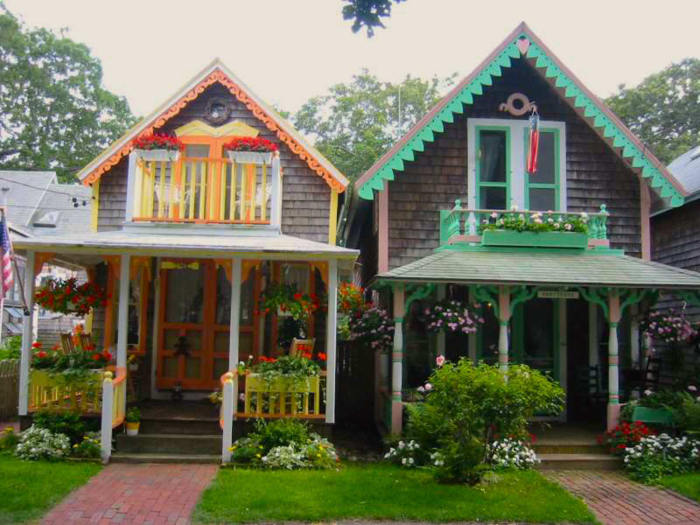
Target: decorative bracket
x,y
489,294
600,296
418,292
689,296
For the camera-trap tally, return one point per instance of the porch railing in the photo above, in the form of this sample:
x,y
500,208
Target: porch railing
x,y
113,408
52,392
206,191
467,225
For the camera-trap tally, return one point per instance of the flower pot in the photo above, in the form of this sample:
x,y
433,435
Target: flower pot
x,y
537,239
250,157
132,429
158,154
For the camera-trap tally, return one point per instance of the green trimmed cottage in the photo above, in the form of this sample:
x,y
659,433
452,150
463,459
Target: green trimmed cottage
x,y
438,217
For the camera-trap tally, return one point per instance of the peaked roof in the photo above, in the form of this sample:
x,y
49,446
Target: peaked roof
x,y
522,42
216,72
686,168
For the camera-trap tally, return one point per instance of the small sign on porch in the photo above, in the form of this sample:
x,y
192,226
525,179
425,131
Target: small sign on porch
x,y
556,294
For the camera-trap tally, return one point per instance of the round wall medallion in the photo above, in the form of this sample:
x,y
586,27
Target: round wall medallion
x,y
217,110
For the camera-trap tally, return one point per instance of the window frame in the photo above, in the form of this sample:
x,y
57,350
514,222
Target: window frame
x,y
477,145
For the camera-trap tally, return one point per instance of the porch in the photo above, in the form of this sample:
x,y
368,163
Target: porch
x,y
562,302
192,314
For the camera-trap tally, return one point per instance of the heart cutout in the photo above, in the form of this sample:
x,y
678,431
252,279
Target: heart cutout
x,y
523,45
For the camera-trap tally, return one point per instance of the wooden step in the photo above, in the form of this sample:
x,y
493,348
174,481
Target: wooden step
x,y
546,447
165,458
169,444
579,462
180,426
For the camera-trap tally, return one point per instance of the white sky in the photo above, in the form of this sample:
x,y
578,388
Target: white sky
x,y
290,50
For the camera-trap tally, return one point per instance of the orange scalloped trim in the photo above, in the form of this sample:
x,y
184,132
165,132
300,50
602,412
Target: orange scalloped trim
x,y
236,91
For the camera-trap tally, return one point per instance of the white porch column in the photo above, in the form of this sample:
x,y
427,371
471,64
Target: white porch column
x,y
27,333
123,318
503,320
397,361
613,361
441,292
235,326
331,336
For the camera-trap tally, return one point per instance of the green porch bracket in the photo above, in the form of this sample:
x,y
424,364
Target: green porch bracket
x,y
592,295
522,294
691,297
417,292
628,297
486,294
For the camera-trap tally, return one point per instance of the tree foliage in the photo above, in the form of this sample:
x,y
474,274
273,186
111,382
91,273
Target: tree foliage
x,y
664,109
355,123
54,112
367,13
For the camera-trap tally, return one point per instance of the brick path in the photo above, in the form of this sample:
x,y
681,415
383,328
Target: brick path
x,y
616,500
139,494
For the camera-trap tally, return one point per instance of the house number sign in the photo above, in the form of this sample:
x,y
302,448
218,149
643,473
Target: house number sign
x,y
556,294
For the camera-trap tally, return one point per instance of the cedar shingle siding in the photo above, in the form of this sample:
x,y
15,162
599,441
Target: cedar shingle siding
x,y
438,176
306,196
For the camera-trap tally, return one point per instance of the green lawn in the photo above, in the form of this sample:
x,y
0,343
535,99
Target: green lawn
x,y
687,484
29,488
382,492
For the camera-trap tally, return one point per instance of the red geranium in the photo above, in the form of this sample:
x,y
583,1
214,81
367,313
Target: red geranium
x,y
36,345
152,142
255,144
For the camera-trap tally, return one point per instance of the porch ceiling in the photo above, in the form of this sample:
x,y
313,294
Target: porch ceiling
x,y
545,269
190,245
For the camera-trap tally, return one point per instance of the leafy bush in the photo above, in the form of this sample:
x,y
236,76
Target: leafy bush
x,y
11,348
658,456
67,423
689,418
89,447
8,439
511,453
282,432
40,443
469,406
625,435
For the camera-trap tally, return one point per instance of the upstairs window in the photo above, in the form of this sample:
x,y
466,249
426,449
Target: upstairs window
x,y
497,159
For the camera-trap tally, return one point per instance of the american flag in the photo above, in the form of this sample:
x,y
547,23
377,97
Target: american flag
x,y
6,247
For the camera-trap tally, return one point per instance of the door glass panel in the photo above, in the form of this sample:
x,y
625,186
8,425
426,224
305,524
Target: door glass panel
x,y
197,151
193,367
247,300
134,326
492,156
492,198
192,341
170,366
221,342
223,297
185,296
245,348
538,343
220,367
170,338
542,199
546,160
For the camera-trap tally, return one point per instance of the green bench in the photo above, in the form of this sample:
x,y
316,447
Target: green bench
x,y
654,416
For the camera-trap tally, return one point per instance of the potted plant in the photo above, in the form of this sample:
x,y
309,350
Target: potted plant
x,y
69,297
158,147
250,150
133,421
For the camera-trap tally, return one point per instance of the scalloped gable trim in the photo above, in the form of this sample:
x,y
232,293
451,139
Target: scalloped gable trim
x,y
522,42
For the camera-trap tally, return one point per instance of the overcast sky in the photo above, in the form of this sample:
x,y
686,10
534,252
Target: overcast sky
x,y
290,50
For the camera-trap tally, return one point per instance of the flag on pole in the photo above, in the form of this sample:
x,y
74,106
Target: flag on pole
x,y
534,142
6,247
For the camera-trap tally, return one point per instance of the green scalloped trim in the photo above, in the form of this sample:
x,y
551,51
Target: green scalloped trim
x,y
581,101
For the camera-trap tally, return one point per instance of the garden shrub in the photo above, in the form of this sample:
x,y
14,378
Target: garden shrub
x,y
511,453
89,447
469,406
8,439
67,423
659,456
11,348
39,443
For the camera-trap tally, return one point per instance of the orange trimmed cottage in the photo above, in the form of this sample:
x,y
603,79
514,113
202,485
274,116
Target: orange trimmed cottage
x,y
188,236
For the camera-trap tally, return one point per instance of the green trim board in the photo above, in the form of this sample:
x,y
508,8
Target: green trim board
x,y
591,109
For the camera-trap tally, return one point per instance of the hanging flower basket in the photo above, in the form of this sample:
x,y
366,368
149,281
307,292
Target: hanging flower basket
x,y
158,148
250,150
68,297
453,316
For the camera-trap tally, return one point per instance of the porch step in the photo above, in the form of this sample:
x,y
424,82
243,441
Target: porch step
x,y
169,444
182,426
545,447
579,462
120,457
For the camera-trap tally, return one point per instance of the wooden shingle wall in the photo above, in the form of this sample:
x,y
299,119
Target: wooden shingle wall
x,y
306,196
438,176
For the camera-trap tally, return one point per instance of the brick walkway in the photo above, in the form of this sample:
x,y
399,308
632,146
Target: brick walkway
x,y
616,500
139,494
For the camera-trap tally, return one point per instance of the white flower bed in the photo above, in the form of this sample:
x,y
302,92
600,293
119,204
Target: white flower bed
x,y
38,443
511,453
404,454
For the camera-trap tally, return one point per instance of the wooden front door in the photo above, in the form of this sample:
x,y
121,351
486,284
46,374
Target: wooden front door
x,y
194,323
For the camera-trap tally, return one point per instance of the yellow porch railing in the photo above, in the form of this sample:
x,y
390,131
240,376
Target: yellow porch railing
x,y
51,392
202,190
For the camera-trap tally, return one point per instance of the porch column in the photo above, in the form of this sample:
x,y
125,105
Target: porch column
x,y
27,333
235,323
123,317
503,320
613,368
397,361
441,334
331,336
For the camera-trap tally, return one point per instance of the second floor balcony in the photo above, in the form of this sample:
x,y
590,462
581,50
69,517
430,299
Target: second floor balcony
x,y
205,190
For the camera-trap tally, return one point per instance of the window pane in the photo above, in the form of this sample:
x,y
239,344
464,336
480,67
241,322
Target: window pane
x,y
197,150
545,173
185,296
542,199
492,198
223,297
492,156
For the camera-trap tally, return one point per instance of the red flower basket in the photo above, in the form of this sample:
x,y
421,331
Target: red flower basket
x,y
250,150
68,297
158,147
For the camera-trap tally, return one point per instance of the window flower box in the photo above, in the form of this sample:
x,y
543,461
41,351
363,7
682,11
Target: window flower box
x,y
164,155
250,157
250,150
158,148
534,239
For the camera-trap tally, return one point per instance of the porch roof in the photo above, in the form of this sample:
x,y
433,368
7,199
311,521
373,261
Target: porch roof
x,y
565,268
191,244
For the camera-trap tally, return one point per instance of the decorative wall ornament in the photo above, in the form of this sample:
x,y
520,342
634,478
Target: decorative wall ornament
x,y
518,105
217,110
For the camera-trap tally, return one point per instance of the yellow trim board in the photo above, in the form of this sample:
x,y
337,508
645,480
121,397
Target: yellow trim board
x,y
199,128
333,219
95,205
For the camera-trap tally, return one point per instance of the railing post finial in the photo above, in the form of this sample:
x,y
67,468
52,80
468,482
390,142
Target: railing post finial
x,y
108,376
604,209
458,204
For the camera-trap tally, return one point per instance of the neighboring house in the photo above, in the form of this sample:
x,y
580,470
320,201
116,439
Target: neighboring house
x,y
675,238
37,205
564,303
184,248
